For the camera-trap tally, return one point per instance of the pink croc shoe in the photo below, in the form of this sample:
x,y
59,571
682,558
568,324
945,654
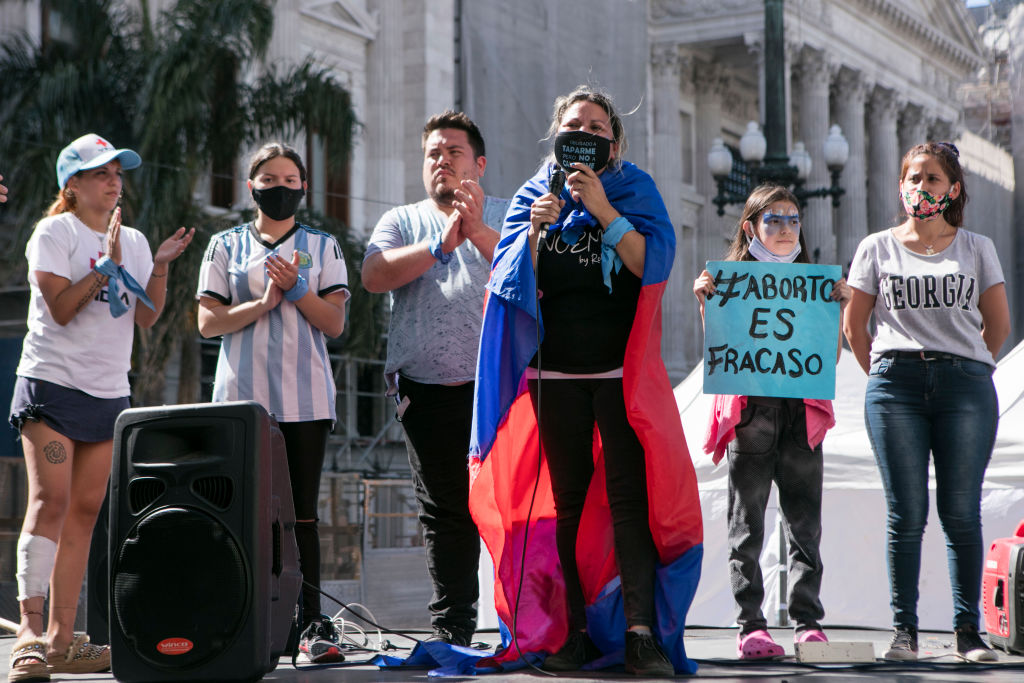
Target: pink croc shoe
x,y
758,645
811,635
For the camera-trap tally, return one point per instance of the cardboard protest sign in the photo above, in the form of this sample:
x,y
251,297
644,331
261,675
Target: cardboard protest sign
x,y
771,329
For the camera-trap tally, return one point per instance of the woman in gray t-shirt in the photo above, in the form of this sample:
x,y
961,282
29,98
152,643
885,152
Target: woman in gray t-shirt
x,y
939,303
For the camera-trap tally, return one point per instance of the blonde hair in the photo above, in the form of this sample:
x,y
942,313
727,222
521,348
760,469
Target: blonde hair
x,y
600,98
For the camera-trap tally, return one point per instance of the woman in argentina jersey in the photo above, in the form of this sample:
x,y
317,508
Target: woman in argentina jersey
x,y
273,289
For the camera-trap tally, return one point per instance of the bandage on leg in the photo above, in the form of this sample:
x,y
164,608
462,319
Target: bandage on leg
x,y
35,564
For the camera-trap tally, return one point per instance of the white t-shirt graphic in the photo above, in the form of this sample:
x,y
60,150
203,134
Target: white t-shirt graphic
x,y
927,302
92,353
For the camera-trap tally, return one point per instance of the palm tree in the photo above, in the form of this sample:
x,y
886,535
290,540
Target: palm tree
x,y
186,89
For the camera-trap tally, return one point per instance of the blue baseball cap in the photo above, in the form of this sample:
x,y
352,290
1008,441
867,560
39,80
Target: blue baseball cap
x,y
91,151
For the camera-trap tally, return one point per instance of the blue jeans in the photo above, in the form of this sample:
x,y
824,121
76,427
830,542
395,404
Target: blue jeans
x,y
946,407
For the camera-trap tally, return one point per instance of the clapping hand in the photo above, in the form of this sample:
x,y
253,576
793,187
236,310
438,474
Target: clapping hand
x,y
283,273
172,247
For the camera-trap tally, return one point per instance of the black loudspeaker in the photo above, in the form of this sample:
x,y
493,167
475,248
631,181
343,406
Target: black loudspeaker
x,y
204,570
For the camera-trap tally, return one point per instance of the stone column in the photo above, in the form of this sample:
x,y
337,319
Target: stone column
x,y
666,158
883,159
851,218
385,168
813,74
667,171
427,51
913,127
942,131
710,83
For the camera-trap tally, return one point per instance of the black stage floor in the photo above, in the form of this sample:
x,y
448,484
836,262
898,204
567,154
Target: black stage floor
x,y
715,651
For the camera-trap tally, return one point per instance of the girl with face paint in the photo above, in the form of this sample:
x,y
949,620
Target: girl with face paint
x,y
937,296
600,272
771,439
275,289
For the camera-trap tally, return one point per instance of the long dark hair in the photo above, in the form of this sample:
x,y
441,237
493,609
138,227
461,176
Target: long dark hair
x,y
760,199
948,157
272,150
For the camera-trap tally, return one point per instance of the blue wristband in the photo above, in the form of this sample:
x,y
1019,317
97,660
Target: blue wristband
x,y
615,230
435,250
298,290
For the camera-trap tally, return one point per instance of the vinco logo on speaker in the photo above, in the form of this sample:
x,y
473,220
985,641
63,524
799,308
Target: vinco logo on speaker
x,y
174,646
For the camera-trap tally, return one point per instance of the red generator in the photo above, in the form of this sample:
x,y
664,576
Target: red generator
x,y
1003,592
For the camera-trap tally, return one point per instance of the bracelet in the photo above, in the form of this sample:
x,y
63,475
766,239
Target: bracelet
x,y
105,265
615,230
435,250
103,269
163,274
298,290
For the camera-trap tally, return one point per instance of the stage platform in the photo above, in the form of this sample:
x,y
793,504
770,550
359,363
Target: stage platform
x,y
714,649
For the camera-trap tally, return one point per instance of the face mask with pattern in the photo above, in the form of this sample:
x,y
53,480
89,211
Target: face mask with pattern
x,y
923,205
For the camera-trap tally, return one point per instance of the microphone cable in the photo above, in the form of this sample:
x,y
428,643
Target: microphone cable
x,y
555,185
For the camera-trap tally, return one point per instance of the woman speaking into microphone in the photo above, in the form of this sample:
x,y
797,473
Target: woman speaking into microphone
x,y
614,455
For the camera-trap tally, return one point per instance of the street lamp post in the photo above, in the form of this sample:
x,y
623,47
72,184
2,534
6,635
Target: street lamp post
x,y
766,152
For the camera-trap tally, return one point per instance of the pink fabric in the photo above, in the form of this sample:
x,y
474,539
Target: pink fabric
x,y
725,415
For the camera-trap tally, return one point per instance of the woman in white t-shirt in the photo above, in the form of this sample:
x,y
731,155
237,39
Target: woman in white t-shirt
x,y
939,303
84,269
274,289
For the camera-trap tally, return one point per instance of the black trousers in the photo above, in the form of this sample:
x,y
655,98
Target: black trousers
x,y
569,409
437,424
306,443
771,445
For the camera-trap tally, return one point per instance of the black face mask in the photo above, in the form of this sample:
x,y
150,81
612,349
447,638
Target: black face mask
x,y
278,202
581,147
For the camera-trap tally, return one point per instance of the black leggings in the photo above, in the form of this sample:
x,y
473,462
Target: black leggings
x,y
569,410
305,443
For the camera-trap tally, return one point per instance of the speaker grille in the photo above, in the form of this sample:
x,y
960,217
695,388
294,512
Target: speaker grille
x,y
180,588
143,492
218,491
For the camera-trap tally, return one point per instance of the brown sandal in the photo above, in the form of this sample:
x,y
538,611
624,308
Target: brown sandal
x,y
28,661
82,657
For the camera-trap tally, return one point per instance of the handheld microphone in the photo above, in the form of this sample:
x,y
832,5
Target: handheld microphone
x,y
555,185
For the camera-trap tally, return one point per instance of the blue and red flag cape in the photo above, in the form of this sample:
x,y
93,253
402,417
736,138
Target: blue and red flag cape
x,y
504,447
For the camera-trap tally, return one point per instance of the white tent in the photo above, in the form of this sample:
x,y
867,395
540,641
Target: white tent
x,y
855,588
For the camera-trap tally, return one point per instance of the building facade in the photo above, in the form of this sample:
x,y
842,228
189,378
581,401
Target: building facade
x,y
888,72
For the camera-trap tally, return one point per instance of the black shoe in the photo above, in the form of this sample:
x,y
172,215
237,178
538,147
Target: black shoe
x,y
452,636
319,642
644,656
970,646
577,651
903,646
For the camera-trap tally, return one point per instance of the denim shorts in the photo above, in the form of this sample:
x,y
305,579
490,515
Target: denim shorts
x,y
70,412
